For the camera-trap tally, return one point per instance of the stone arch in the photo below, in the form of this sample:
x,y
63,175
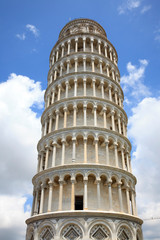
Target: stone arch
x,y
71,230
124,231
100,231
30,232
46,231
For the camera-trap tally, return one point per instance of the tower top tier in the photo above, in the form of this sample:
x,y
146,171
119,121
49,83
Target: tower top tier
x,y
82,25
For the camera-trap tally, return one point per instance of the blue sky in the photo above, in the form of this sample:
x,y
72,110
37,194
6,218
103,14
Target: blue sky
x,y
29,30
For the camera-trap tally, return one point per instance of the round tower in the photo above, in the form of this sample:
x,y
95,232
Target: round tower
x,y
84,187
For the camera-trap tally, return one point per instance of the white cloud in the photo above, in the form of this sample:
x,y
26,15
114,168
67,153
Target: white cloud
x,y
33,29
12,217
144,129
128,5
146,8
133,82
20,131
21,36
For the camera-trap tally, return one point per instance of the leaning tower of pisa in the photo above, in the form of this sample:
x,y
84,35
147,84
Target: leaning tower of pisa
x,y
84,187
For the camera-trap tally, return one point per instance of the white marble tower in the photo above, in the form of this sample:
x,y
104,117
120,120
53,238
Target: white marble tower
x,y
84,187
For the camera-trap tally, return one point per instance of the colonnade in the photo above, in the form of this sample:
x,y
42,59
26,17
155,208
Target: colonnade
x,y
83,87
83,63
88,149
123,191
83,114
83,44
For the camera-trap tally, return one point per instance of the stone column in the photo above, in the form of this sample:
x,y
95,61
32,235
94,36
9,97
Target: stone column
x,y
66,89
48,100
99,46
74,149
107,68
84,85
69,46
96,150
133,203
53,59
76,64
84,64
50,196
62,46
120,197
45,126
128,200
98,193
47,157
85,113
94,87
72,193
105,50
68,65
124,130
51,78
95,115
112,118
100,66
113,76
127,158
60,195
123,161
55,74
93,67
107,153
36,202
42,199
33,203
104,117
110,54
119,124
116,94
116,154
57,119
74,115
57,54
85,150
76,45
61,69
110,92
53,95
102,88
65,117
75,87
92,40
84,44
85,193
54,154
110,195
41,161
63,151
50,123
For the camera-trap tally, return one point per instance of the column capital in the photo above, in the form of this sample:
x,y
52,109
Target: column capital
x,y
54,143
62,45
112,112
104,109
92,39
115,144
99,41
76,39
69,41
84,38
109,86
65,109
93,58
61,181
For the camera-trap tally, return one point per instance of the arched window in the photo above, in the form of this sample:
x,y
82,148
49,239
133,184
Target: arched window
x,y
99,232
72,232
47,234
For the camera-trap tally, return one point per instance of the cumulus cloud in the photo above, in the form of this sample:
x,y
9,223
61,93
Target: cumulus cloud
x,y
128,5
21,36
12,217
20,131
33,29
144,129
133,82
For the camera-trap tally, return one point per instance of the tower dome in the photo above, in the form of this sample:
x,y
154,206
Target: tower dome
x,y
84,187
